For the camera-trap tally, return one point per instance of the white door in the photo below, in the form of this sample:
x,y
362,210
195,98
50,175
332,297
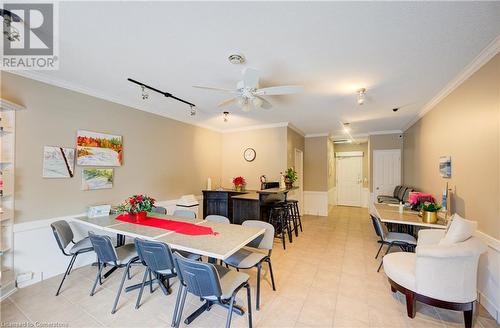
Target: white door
x,y
386,171
298,194
349,180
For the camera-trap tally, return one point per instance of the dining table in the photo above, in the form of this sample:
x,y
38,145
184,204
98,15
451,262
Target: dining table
x,y
225,240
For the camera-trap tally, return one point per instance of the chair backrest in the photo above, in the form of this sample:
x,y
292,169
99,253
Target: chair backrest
x,y
381,228
103,247
187,214
201,279
401,193
376,226
159,209
154,254
63,233
264,241
406,196
217,218
396,191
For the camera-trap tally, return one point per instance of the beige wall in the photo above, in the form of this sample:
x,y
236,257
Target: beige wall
x,y
162,157
330,153
381,142
294,141
357,147
465,126
316,164
270,146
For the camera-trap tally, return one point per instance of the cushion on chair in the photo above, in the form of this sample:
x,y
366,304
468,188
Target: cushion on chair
x,y
245,258
460,230
229,281
399,236
400,268
81,245
125,253
429,236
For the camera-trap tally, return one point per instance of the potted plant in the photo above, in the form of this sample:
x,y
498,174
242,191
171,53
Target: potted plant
x,y
239,183
429,212
290,177
137,206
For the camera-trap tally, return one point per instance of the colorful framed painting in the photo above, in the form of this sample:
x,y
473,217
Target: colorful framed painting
x,y
94,179
445,166
98,149
58,162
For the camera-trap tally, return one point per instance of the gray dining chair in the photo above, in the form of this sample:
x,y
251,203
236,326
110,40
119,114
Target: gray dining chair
x,y
121,257
217,219
252,256
64,236
403,240
158,259
214,284
186,214
159,210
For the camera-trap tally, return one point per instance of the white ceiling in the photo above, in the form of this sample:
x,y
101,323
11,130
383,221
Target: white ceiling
x,y
404,53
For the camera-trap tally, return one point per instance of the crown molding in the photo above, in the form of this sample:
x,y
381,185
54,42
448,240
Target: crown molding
x,y
374,133
256,127
296,129
316,135
482,58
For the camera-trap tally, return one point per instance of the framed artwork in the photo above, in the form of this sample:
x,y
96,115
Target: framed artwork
x,y
445,166
94,179
98,149
58,162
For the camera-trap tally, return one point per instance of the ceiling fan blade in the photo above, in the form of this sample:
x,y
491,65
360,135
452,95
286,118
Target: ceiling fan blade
x,y
265,104
280,90
246,107
250,78
227,102
212,88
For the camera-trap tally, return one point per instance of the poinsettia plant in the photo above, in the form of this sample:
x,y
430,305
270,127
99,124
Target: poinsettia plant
x,y
430,207
239,181
136,204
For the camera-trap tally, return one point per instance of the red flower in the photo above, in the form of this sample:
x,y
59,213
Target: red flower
x,y
239,181
139,198
131,201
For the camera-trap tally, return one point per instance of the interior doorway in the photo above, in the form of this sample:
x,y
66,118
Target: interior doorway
x,y
386,171
349,178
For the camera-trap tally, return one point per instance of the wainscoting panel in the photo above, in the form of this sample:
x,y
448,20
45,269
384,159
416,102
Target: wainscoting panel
x,y
316,203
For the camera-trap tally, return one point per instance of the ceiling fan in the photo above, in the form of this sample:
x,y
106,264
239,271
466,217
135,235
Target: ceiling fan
x,y
248,95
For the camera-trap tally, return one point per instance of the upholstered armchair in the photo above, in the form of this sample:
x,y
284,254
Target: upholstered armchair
x,y
438,274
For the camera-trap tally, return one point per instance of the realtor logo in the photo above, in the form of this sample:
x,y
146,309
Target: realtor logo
x,y
29,36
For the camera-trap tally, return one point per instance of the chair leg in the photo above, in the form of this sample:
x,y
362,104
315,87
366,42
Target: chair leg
x,y
230,311
410,304
257,302
66,273
382,261
98,278
138,302
468,318
120,288
379,249
181,307
150,283
271,271
249,305
73,263
177,302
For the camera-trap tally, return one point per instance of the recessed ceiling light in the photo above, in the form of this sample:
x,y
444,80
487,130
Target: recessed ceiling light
x,y
236,58
361,96
346,127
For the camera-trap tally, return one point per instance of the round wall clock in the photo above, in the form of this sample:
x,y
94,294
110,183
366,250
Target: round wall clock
x,y
249,154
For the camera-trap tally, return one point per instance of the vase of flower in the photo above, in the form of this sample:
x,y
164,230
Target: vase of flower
x,y
140,216
239,183
429,212
137,207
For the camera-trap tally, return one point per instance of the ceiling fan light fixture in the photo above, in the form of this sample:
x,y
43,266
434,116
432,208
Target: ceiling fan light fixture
x,y
361,96
257,102
236,58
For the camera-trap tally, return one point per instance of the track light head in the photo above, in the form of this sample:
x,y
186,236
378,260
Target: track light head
x,y
144,94
192,111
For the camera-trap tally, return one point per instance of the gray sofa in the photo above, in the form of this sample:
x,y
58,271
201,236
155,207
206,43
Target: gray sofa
x,y
400,194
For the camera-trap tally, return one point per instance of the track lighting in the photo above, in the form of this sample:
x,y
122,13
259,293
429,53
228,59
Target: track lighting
x,y
361,96
225,116
145,95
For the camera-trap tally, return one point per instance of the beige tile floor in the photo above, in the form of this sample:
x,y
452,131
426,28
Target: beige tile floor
x,y
326,278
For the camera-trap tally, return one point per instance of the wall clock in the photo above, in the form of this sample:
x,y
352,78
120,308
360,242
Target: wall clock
x,y
249,154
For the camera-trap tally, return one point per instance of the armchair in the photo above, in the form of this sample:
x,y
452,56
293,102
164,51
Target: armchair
x,y
440,275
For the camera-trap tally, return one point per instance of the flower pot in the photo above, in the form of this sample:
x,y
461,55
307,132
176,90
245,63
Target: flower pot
x,y
429,217
238,187
288,185
140,216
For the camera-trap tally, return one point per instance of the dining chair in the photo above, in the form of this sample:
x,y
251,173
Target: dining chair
x,y
186,214
217,219
121,257
159,210
64,236
158,260
214,284
252,256
403,240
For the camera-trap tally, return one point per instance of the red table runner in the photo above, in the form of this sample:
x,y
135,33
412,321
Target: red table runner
x,y
184,228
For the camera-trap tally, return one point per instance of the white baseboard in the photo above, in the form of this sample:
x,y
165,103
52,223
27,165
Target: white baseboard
x,y
365,197
316,203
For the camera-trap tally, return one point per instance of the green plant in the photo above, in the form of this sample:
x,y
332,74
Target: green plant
x,y
430,207
290,175
136,204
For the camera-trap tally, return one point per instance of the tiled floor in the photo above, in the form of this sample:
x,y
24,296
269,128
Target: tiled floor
x,y
326,278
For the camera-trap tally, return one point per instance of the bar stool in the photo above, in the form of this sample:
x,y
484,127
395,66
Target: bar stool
x,y
279,217
295,215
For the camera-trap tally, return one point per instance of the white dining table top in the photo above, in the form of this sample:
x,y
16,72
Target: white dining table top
x,y
390,214
229,238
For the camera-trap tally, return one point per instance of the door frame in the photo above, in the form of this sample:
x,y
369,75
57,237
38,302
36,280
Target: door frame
x,y
299,159
360,155
374,178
